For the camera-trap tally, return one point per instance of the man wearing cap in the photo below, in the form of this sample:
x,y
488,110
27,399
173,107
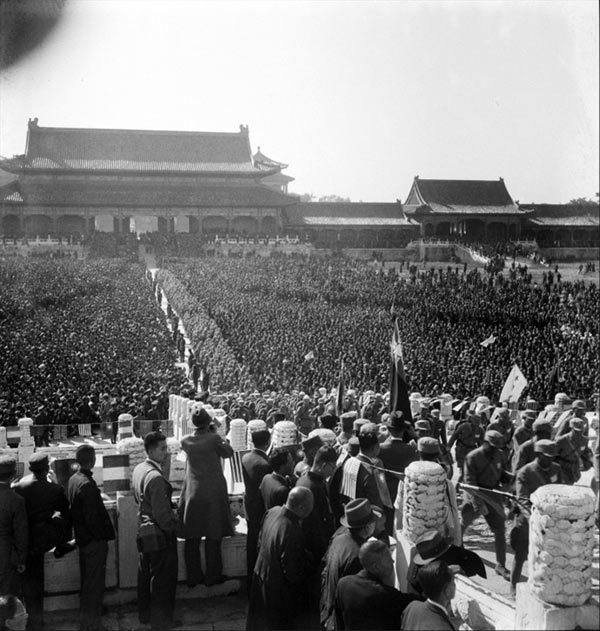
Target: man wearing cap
x,y
157,541
255,466
277,594
538,473
368,599
503,424
93,530
357,525
13,529
49,520
347,422
395,455
467,435
524,432
572,452
577,411
542,430
275,486
438,427
485,467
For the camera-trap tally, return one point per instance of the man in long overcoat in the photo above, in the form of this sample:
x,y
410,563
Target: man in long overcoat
x,y
277,597
204,504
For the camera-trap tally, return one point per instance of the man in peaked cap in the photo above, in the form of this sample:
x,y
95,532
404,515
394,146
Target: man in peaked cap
x,y
543,470
467,435
541,429
577,410
13,529
572,451
310,446
485,467
525,431
47,530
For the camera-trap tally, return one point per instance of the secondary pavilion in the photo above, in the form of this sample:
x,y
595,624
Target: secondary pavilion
x,y
478,209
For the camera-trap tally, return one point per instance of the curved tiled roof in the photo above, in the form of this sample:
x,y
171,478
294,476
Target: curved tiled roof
x,y
465,197
137,150
576,215
347,214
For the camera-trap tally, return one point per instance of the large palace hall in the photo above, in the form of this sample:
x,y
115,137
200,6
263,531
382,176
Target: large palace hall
x,y
76,181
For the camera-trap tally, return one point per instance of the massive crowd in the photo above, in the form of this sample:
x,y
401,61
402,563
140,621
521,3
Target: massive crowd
x,y
277,316
77,334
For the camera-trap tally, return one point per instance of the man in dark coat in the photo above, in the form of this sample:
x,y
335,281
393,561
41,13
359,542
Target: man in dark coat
x,y
572,451
467,435
13,529
437,581
255,466
93,530
203,503
542,430
275,486
42,500
369,600
318,527
396,455
277,596
341,558
157,571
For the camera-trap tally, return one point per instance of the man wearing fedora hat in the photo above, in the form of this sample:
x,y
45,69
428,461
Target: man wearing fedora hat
x,y
485,467
538,473
368,599
432,546
341,559
437,581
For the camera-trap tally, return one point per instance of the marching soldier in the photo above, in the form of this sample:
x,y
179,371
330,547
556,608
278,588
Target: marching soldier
x,y
572,452
467,435
485,467
529,478
542,430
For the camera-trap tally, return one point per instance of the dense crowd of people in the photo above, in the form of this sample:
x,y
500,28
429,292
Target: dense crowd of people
x,y
79,336
289,325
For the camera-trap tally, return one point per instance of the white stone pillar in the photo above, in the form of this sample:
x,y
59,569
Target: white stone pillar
x,y
561,544
3,443
26,444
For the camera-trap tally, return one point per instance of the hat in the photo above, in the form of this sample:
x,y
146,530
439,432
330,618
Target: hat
x,y
395,420
503,413
578,404
312,444
278,416
547,447
423,425
577,424
541,424
347,420
8,464
353,445
38,461
329,421
428,445
430,546
201,418
435,413
359,513
260,436
494,438
529,414
368,428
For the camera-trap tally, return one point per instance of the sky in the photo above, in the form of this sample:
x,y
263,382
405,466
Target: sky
x,y
357,97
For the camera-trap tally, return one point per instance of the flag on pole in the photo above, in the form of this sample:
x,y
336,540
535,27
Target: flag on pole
x,y
488,341
309,356
514,386
399,395
339,404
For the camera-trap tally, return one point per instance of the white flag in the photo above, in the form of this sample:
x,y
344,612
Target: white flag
x,y
514,386
309,356
488,341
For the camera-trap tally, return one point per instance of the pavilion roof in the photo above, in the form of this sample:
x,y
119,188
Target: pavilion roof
x,y
460,197
263,161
